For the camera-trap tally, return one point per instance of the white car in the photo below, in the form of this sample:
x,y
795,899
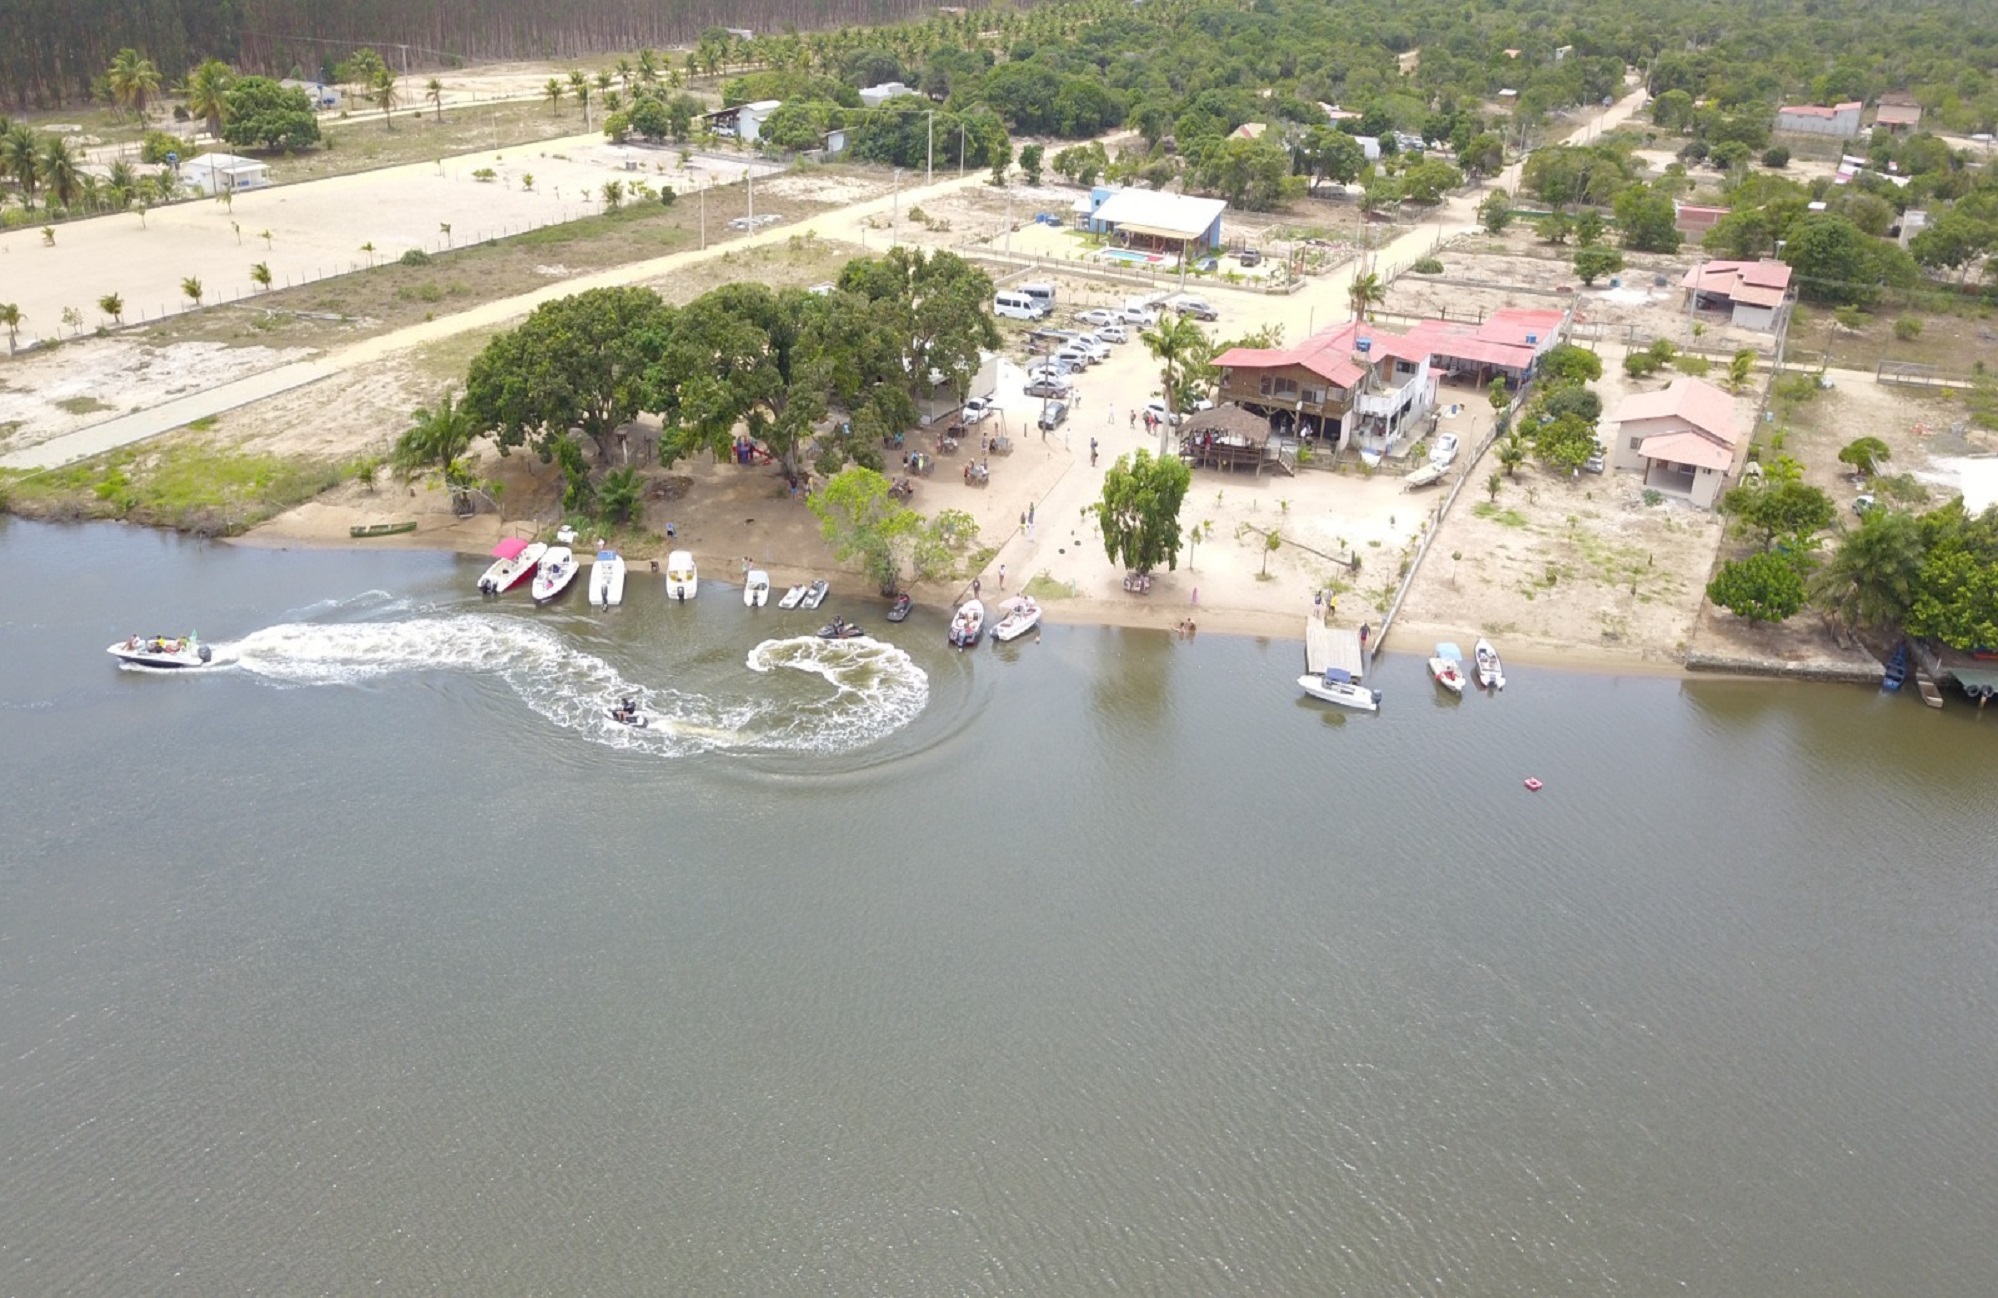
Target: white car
x,y
1095,346
1139,315
1113,333
975,410
1443,450
1077,355
1099,316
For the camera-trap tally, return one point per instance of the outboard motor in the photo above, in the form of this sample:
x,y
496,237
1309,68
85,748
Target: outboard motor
x,y
207,654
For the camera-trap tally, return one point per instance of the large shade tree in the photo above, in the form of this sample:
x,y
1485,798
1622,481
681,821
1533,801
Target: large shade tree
x,y
1139,510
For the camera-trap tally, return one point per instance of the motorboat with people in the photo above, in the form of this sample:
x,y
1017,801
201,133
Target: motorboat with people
x,y
553,575
967,623
1022,614
162,651
514,561
1448,667
1491,672
840,629
793,597
899,610
607,579
683,582
815,595
756,588
627,713
1336,685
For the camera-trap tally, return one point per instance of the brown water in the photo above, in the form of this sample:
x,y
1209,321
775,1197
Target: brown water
x,y
371,959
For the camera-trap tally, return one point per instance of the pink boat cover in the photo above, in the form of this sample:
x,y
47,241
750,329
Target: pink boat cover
x,y
509,547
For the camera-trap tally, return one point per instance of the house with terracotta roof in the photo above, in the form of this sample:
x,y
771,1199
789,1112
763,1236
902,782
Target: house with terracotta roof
x,y
1682,438
1753,291
1356,384
1505,344
1897,113
1839,120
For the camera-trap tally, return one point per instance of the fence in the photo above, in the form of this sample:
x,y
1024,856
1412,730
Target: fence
x,y
1908,374
1139,276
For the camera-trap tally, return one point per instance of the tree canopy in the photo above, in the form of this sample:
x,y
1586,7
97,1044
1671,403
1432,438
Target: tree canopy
x,y
1139,510
258,113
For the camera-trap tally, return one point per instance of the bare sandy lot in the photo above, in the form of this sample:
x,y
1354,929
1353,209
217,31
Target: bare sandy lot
x,y
46,394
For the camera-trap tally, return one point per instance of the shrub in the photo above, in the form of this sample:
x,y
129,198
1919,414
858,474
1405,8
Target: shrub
x,y
1908,328
158,144
1640,365
1427,266
415,257
1776,159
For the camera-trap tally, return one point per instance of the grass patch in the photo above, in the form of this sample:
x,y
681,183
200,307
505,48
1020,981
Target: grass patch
x,y
190,486
1044,588
1503,516
79,406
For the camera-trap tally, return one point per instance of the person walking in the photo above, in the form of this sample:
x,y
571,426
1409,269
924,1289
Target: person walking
x,y
1002,576
1134,417
1092,452
976,585
1110,415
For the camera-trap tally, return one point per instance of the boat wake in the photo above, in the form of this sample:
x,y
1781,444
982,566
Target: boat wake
x,y
876,688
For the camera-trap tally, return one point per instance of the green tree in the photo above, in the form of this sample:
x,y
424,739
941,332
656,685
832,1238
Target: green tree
x,y
10,318
1328,154
553,92
1495,213
1865,455
862,522
1555,227
1956,599
1871,579
1030,162
1835,263
1082,163
1647,219
1139,511
1427,181
260,275
1365,291
261,114
1567,363
617,495
1789,508
59,171
133,80
207,90
1565,443
577,362
1183,351
190,287
433,93
1589,227
1764,587
1594,263
1741,368
437,435
1511,452
114,306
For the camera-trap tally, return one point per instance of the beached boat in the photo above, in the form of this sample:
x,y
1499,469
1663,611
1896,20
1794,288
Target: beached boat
x,y
1337,685
967,623
1022,615
514,562
1426,476
1448,667
840,629
1491,672
607,579
362,531
554,573
793,597
899,610
756,588
162,651
815,595
682,580
1897,668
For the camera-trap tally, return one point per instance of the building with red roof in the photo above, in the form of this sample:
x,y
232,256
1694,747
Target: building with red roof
x,y
1682,438
1753,291
1355,383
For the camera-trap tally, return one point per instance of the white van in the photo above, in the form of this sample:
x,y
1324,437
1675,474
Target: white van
x,y
1015,305
1041,293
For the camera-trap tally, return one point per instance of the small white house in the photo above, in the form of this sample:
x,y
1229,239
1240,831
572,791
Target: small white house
x,y
875,96
216,174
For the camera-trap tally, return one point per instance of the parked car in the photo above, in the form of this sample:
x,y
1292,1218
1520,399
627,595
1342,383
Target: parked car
x,y
1443,449
1249,257
1048,386
1865,504
1097,316
1077,354
1594,464
1056,336
1114,333
1143,316
975,411
1053,414
1198,308
1098,349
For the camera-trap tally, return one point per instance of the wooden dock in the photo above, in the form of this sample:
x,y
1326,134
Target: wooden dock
x,y
1332,646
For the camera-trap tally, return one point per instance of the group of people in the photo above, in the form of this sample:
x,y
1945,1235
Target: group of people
x,y
626,713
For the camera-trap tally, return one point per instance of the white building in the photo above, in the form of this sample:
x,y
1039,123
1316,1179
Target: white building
x,y
1682,438
224,173
875,96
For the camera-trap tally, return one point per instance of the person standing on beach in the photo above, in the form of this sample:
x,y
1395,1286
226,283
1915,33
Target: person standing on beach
x,y
975,586
1002,576
1092,452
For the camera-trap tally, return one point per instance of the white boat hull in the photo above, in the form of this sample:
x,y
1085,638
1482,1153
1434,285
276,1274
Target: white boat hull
x,y
1022,617
793,597
505,574
967,624
1344,693
683,581
1447,674
756,588
161,652
1491,672
556,571
607,579
815,594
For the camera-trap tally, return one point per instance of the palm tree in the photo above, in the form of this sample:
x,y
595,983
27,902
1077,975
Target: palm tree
x,y
624,74
613,195
1870,581
1181,348
433,90
121,185
437,436
1512,453
133,80
1365,291
57,170
10,316
114,306
554,91
382,93
260,275
191,287
579,86
207,91
17,159
603,83
164,187
648,66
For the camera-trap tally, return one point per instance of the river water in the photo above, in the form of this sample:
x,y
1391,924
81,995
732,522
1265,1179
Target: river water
x,y
371,958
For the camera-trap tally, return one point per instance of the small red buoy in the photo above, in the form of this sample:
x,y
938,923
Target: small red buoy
x,y
1533,784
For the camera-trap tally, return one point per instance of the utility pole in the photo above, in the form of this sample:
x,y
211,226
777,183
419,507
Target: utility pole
x,y
749,184
930,165
960,149
895,204
704,218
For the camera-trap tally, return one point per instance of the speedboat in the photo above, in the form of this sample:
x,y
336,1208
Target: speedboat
x,y
607,579
1491,672
815,595
900,611
1337,685
627,713
162,651
840,629
756,588
1022,615
968,622
1448,667
792,597
682,581
552,577
514,562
